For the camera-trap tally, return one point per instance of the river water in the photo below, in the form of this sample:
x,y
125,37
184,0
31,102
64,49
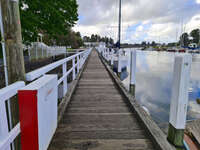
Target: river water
x,y
154,76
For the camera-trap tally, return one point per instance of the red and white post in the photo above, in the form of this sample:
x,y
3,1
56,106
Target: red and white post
x,y
38,113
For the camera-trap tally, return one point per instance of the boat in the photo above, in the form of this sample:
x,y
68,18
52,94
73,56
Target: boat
x,y
119,51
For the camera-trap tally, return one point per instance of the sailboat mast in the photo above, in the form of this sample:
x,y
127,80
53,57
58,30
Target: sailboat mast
x,y
119,32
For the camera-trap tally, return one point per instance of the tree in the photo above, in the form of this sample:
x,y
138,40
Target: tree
x,y
97,38
93,39
48,17
184,40
144,43
153,43
195,34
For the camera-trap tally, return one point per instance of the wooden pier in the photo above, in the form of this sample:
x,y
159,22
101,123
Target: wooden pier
x,y
98,116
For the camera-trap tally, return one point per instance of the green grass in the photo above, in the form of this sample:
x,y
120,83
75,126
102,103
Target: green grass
x,y
69,49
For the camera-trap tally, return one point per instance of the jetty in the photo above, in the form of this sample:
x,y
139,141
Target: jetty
x,y
93,111
99,117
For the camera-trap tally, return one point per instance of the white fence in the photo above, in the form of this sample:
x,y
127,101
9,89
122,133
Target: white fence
x,y
41,50
118,59
81,57
6,136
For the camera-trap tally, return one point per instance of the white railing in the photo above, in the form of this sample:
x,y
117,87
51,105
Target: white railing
x,y
6,136
80,57
41,50
111,57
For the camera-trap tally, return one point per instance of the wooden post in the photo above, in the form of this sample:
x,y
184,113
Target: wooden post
x,y
133,73
14,50
179,99
119,64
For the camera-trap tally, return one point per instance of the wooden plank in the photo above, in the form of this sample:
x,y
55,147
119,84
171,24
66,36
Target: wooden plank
x,y
133,144
95,103
193,128
97,112
97,97
99,109
127,134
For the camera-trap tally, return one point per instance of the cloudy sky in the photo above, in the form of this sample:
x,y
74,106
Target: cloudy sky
x,y
142,20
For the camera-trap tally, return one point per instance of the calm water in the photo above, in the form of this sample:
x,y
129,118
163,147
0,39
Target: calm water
x,y
154,82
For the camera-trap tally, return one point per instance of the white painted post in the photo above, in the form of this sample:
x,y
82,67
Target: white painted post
x,y
64,70
112,58
119,64
179,99
46,51
106,54
78,64
133,72
3,122
74,68
29,53
36,52
42,51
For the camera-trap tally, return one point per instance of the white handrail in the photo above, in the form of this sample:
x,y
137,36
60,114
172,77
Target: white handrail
x,y
6,136
81,57
41,71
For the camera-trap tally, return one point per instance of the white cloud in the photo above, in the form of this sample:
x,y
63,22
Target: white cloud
x,y
163,18
198,1
193,23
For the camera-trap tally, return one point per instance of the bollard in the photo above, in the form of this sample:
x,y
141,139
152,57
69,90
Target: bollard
x,y
133,73
119,64
179,100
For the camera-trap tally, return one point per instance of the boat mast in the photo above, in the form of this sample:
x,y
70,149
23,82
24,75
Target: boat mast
x,y
119,32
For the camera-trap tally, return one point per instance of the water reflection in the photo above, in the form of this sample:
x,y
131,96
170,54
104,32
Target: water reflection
x,y
154,82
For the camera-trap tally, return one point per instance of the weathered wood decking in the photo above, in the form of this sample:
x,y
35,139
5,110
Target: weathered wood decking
x,y
97,117
193,128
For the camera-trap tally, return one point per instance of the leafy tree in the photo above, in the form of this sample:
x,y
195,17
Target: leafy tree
x,y
86,39
153,43
184,40
195,34
49,17
97,38
143,43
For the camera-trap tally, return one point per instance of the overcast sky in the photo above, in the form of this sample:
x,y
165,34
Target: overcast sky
x,y
142,20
